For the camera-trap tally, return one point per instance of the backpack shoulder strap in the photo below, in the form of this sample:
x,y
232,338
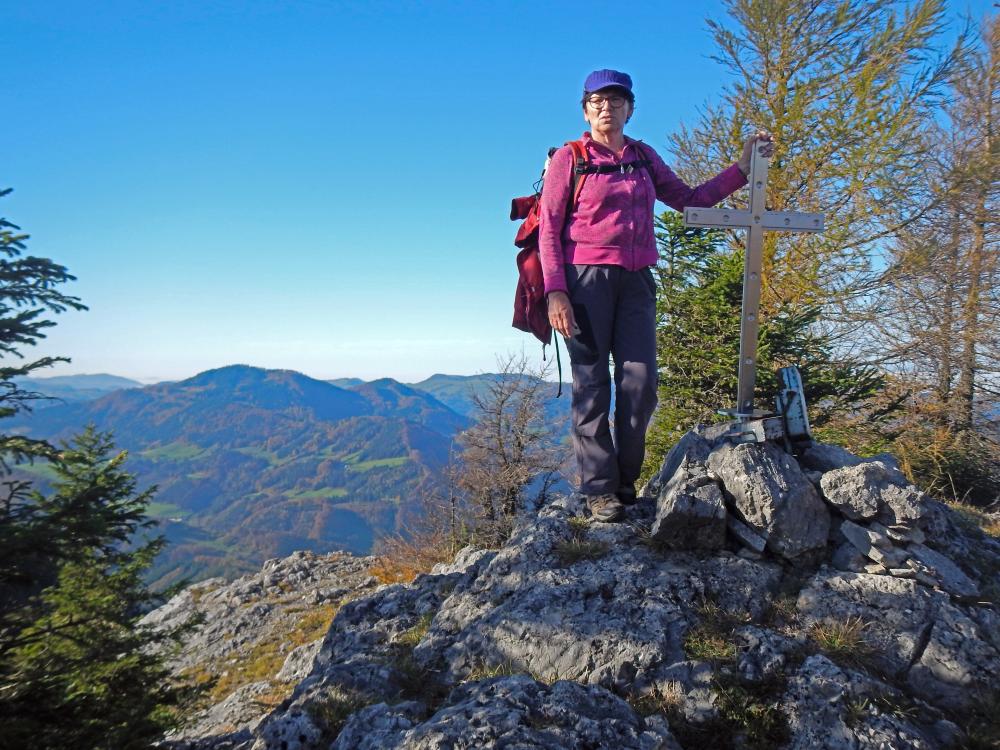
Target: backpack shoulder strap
x,y
577,173
645,162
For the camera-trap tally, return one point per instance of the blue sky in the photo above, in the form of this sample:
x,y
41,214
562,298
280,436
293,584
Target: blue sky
x,y
318,185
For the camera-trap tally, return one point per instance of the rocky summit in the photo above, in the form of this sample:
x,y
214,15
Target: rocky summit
x,y
752,599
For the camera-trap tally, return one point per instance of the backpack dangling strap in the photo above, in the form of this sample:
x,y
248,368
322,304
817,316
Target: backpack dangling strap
x,y
555,343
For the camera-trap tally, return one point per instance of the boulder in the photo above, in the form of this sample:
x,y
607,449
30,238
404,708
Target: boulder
x,y
772,495
874,490
692,448
690,510
873,545
299,662
957,665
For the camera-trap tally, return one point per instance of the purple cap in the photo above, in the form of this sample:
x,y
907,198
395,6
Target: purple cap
x,y
601,79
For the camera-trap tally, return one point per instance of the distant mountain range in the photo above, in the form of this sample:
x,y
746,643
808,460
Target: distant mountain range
x,y
72,388
254,463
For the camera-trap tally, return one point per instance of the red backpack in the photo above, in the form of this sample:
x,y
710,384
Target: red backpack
x,y
531,313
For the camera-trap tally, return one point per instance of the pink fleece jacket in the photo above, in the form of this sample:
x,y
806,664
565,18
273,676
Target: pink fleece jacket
x,y
613,220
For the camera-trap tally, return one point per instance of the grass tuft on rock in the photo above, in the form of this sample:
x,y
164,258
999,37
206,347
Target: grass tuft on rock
x,y
843,641
485,670
752,711
331,711
578,547
712,638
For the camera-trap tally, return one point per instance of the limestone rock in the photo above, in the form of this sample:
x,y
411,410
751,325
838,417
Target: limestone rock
x,y
874,490
949,576
847,557
534,644
233,718
897,614
773,497
746,535
614,620
830,708
510,712
957,663
873,545
299,662
763,653
912,632
692,448
690,510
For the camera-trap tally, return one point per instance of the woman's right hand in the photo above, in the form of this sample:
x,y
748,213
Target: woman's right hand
x,y
561,313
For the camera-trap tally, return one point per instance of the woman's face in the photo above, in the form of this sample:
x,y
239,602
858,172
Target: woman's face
x,y
600,111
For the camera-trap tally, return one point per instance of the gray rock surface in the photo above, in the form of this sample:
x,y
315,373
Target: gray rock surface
x,y
692,448
873,545
299,662
246,617
690,510
772,495
830,708
614,620
745,535
948,575
537,643
911,632
874,490
510,712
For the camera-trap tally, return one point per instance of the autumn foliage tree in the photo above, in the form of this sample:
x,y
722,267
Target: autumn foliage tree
x,y
939,319
847,89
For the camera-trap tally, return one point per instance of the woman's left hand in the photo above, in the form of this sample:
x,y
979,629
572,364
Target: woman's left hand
x,y
766,147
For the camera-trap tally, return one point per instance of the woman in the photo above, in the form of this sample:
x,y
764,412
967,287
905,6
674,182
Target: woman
x,y
599,283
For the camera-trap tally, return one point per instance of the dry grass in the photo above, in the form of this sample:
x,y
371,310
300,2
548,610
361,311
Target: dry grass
x,y
988,523
333,709
265,658
668,701
401,559
414,635
485,671
712,638
578,547
843,640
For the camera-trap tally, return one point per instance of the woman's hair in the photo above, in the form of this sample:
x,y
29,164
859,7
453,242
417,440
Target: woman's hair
x,y
624,92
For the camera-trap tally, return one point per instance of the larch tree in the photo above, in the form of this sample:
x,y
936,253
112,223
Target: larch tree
x,y
847,88
939,318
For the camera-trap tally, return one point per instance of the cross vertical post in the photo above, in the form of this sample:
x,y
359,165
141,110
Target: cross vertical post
x,y
752,264
757,220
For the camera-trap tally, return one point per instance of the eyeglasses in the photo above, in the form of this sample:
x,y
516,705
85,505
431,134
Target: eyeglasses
x,y
616,102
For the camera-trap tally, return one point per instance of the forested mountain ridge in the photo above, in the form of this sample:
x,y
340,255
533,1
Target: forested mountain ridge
x,y
254,463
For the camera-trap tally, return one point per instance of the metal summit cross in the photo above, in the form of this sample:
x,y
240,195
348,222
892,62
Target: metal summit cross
x,y
757,220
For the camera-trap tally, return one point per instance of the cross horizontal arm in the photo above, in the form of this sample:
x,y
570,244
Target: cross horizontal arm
x,y
789,221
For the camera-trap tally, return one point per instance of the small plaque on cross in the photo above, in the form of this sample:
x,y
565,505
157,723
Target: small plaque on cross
x,y
757,220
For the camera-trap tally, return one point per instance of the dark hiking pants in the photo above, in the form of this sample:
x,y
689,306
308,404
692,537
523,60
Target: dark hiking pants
x,y
615,312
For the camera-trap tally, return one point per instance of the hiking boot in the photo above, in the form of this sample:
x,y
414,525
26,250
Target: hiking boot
x,y
605,508
626,494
